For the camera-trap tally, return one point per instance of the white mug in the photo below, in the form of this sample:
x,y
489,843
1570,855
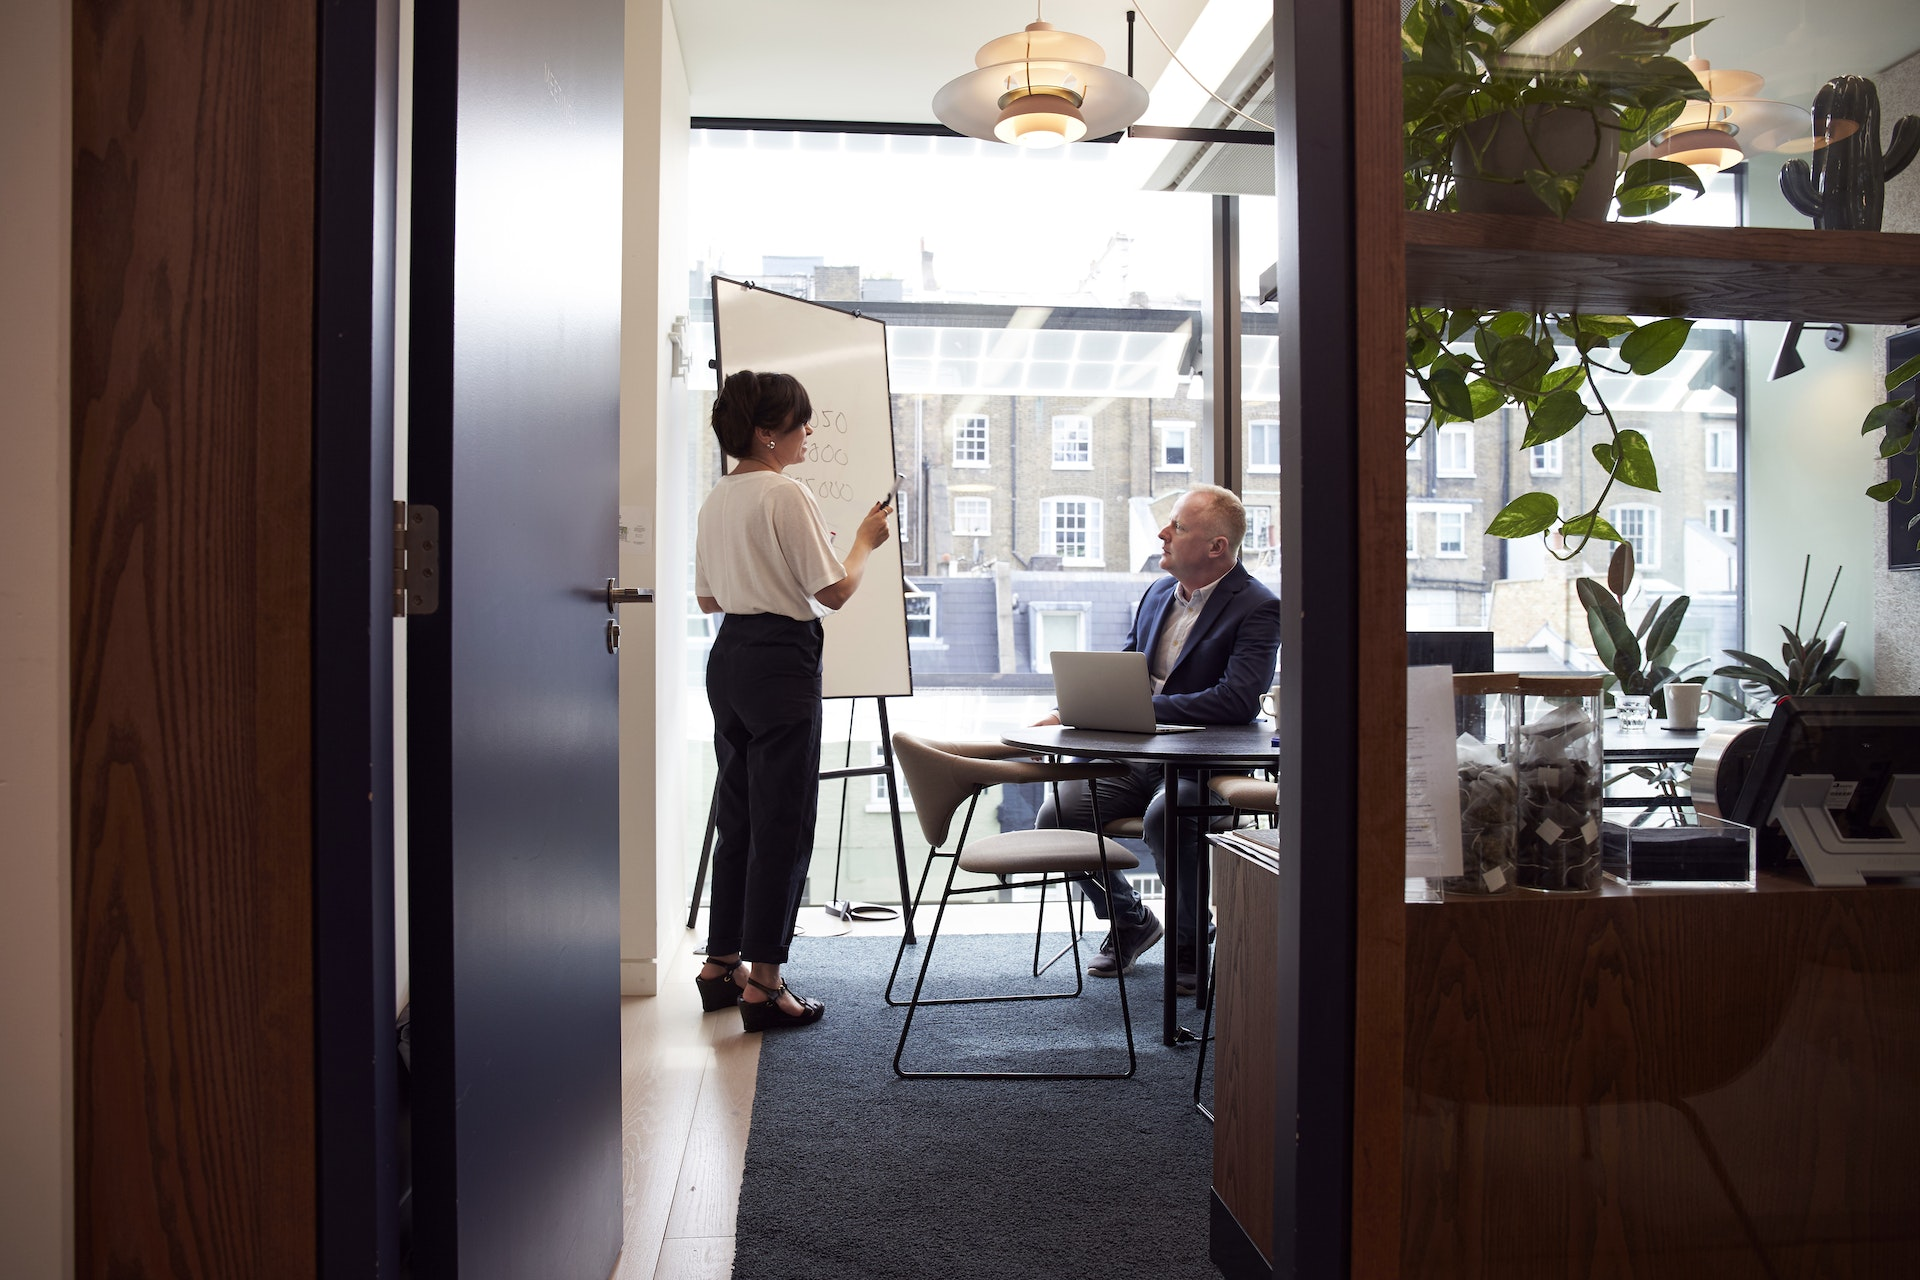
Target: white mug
x,y
1270,702
1685,702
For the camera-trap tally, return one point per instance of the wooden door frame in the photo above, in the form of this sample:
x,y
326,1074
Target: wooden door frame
x,y
232,911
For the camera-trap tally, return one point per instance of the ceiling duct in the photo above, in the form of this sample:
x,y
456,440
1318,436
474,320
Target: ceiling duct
x,y
1229,168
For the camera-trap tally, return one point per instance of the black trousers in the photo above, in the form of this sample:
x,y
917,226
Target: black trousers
x,y
763,683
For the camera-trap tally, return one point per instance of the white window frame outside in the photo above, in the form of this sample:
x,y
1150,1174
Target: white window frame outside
x,y
1416,421
1441,521
1723,513
1544,459
975,503
1037,614
1413,534
1454,438
1723,449
1259,529
964,437
932,613
877,786
1169,431
1050,515
1072,442
1255,429
1646,543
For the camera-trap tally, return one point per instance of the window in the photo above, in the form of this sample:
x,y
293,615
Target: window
x,y
1263,445
1720,518
922,608
877,790
1072,443
1640,526
1546,459
970,441
1416,424
1070,529
1176,444
903,518
972,517
1259,529
1722,454
1450,534
1413,534
1056,625
1453,452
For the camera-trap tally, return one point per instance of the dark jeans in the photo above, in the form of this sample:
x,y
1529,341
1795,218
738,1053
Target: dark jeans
x,y
763,683
1137,794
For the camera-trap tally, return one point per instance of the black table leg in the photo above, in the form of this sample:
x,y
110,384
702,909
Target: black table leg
x,y
1170,880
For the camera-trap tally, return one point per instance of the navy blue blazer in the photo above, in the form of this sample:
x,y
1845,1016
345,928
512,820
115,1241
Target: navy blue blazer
x,y
1228,660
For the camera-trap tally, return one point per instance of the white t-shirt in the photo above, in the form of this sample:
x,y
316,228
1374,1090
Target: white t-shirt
x,y
762,547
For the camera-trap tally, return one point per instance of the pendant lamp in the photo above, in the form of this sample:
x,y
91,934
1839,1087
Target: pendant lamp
x,y
1040,88
1733,123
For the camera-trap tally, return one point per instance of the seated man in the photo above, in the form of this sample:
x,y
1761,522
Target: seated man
x,y
1211,634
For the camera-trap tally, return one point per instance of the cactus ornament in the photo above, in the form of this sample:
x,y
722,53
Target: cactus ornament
x,y
1844,189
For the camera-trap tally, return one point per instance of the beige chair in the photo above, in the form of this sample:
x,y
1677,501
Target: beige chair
x,y
1249,794
942,779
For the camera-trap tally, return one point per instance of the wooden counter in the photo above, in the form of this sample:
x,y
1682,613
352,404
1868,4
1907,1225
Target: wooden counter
x,y
1692,1083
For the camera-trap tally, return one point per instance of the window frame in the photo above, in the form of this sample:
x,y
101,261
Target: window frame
x,y
1186,446
1442,467
1546,459
1037,614
1413,533
1440,520
962,436
986,504
1096,530
1714,433
1259,520
1255,427
1732,511
1073,423
1647,557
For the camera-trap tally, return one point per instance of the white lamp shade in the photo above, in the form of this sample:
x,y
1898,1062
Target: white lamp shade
x,y
1030,64
1705,151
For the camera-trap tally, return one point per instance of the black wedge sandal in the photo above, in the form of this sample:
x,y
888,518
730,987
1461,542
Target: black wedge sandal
x,y
771,1017
720,992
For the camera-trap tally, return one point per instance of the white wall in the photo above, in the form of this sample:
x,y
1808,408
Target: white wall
x,y
653,494
36,1105
1807,474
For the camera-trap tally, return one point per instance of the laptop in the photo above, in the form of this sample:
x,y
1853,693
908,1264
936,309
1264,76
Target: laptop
x,y
1110,692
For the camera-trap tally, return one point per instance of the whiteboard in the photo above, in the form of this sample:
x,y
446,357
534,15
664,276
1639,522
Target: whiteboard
x,y
841,359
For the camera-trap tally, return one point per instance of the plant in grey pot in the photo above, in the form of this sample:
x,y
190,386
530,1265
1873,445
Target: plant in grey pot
x,y
1509,106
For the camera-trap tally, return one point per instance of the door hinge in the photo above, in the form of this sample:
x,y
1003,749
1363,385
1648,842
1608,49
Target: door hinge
x,y
416,559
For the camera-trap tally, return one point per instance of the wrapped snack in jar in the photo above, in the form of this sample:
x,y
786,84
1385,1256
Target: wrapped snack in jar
x,y
1556,756
1483,710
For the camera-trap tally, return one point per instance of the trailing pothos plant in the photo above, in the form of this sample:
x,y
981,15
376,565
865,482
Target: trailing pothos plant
x,y
1457,69
1469,364
1897,417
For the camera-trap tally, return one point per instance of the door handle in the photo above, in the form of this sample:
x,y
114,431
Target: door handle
x,y
626,595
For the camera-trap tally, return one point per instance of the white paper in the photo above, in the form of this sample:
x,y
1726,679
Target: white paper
x,y
1433,783
636,526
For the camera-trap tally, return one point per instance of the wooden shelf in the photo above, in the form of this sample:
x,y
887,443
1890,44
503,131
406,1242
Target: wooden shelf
x,y
1733,273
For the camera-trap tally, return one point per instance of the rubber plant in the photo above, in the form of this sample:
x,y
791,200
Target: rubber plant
x,y
1639,660
1469,364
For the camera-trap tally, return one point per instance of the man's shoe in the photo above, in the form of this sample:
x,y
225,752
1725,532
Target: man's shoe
x,y
1114,960
1185,982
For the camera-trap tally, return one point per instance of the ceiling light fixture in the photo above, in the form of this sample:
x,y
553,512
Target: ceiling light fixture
x,y
1040,88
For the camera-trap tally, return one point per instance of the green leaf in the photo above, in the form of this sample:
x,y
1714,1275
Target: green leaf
x,y
1667,626
1635,461
1884,491
1509,324
1590,525
1486,397
1662,173
1571,378
1909,370
1893,415
1530,513
1555,190
1651,347
1603,454
1513,359
1448,387
1620,570
1895,444
1459,323
1553,417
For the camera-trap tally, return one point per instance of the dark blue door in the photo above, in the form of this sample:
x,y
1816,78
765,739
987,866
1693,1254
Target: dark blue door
x,y
513,834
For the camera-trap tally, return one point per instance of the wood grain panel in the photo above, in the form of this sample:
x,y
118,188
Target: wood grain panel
x,y
1724,1084
1380,338
1247,896
192,296
1739,273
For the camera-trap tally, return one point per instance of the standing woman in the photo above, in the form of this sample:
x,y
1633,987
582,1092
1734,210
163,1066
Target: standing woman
x,y
764,558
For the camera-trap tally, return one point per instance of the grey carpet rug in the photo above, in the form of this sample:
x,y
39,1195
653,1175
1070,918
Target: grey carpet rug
x,y
853,1172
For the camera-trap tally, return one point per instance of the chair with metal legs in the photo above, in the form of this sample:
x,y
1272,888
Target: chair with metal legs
x,y
941,781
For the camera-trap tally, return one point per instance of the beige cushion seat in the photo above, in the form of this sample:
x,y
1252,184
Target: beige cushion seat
x,y
1028,852
1259,795
1128,828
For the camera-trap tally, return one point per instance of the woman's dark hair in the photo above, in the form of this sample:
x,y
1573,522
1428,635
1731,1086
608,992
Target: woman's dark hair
x,y
751,402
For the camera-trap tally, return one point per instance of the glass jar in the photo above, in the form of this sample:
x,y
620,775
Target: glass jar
x,y
1484,713
1555,750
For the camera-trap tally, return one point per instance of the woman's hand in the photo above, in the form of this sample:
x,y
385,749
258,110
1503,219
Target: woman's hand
x,y
874,530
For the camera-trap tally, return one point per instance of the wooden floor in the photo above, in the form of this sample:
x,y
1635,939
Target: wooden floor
x,y
687,1095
